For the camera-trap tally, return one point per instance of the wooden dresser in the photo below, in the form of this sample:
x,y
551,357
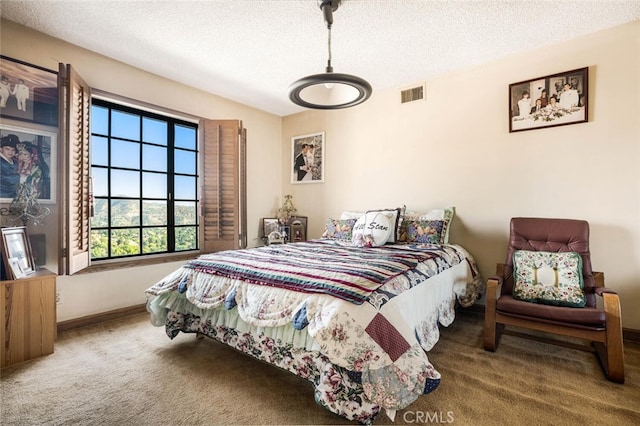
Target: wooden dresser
x,y
28,313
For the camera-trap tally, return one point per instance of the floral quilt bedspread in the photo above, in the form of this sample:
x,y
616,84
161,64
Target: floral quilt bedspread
x,y
383,341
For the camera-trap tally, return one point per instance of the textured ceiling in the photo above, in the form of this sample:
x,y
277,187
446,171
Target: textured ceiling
x,y
252,50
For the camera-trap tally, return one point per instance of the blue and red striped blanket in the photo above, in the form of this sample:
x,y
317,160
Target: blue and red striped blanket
x,y
318,266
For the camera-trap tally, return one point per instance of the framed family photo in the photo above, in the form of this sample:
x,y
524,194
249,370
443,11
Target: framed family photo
x,y
307,158
16,252
28,92
270,225
553,100
28,157
298,228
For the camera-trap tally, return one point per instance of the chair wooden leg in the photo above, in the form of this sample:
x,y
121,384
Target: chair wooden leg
x,y
611,353
490,343
492,330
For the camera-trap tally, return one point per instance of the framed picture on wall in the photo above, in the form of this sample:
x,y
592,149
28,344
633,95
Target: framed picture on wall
x,y
33,154
554,100
28,92
307,158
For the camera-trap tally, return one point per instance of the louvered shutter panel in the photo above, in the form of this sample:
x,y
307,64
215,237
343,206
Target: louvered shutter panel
x,y
222,165
75,129
243,187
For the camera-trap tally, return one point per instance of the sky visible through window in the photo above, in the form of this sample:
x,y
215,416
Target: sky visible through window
x,y
126,154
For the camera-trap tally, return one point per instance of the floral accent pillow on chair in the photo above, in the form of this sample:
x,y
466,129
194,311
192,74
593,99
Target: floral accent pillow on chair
x,y
549,278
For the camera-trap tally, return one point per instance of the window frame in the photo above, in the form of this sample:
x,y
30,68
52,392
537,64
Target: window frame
x,y
172,120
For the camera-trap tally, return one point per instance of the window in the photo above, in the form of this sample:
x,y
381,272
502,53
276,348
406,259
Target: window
x,y
144,168
220,220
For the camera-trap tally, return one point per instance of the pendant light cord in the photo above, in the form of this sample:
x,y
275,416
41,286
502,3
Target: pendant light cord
x,y
329,67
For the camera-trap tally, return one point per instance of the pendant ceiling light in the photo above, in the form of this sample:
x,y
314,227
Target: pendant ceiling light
x,y
329,90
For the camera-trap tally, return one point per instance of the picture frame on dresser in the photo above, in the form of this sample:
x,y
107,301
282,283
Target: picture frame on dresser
x,y
269,225
16,268
39,248
298,228
17,257
549,101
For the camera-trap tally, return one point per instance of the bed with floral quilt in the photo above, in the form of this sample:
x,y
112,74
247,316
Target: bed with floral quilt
x,y
355,321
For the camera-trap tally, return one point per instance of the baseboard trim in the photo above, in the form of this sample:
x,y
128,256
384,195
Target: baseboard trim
x,y
628,334
101,317
631,334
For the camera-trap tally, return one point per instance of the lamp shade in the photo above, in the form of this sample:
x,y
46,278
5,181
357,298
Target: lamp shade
x,y
329,91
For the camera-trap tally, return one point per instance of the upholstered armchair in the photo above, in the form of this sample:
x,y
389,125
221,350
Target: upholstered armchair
x,y
546,284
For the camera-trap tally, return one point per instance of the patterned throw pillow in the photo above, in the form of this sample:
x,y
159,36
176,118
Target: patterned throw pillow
x,y
548,278
431,227
423,231
336,229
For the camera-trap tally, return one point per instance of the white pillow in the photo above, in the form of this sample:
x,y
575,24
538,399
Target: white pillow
x,y
395,219
346,215
372,230
433,214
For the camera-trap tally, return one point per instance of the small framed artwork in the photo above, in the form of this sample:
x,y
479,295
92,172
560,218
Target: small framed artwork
x,y
33,163
554,100
16,252
16,268
298,228
270,225
28,92
307,158
285,231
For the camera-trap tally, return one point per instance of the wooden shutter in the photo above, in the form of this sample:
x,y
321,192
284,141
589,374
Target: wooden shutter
x,y
243,187
223,189
75,105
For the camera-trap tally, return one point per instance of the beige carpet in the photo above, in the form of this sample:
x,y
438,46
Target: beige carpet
x,y
128,372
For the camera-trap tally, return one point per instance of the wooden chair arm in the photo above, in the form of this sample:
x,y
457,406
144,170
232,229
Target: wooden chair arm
x,y
599,278
600,289
614,351
494,287
491,329
494,282
612,304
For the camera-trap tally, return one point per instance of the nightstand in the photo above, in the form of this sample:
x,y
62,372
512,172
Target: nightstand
x,y
28,312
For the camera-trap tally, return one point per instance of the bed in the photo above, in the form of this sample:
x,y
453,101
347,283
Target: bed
x,y
354,312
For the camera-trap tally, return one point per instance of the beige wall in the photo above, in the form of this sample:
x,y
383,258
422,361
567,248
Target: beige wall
x,y
87,294
455,149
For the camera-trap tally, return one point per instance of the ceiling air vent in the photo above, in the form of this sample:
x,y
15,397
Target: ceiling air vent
x,y
412,94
